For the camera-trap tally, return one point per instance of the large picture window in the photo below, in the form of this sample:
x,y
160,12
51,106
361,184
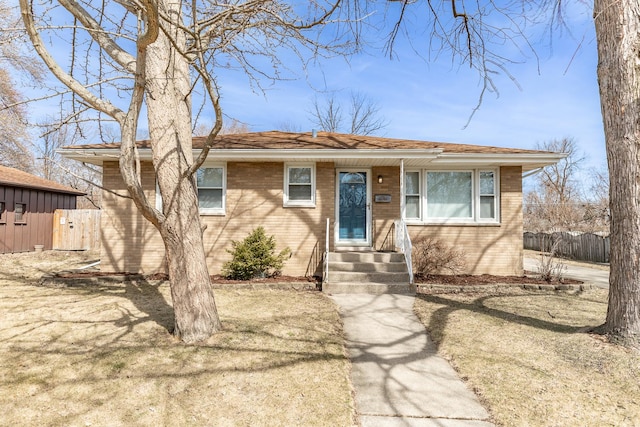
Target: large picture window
x,y
211,190
299,185
451,196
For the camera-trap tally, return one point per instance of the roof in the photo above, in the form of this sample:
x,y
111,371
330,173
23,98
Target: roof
x,y
17,178
343,149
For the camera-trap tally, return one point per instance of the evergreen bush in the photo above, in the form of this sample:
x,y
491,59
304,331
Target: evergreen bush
x,y
255,256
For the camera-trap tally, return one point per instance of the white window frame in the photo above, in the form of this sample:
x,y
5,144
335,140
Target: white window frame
x,y
222,210
299,203
419,194
496,195
425,206
475,198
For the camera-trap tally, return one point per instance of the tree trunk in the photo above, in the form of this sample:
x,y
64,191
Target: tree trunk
x,y
618,35
169,113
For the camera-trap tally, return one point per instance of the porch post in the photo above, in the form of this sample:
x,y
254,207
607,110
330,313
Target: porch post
x,y
402,198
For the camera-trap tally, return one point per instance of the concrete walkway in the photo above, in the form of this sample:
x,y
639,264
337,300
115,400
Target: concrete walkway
x,y
584,272
398,378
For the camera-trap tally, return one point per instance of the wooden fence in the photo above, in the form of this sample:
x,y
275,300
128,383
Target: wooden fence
x,y
76,229
583,247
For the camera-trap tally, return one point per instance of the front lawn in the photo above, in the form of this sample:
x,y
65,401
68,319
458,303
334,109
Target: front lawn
x,y
531,359
102,355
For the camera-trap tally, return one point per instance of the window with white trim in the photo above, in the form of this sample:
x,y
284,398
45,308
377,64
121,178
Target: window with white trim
x,y
449,195
211,181
299,185
459,196
487,195
412,195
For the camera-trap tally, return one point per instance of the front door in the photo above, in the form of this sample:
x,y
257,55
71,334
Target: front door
x,y
353,208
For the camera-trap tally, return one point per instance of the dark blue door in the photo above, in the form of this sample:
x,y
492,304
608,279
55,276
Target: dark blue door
x,y
352,211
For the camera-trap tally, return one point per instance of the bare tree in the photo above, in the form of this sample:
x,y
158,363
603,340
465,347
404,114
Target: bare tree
x,y
618,36
52,166
464,30
556,202
14,137
362,118
161,54
15,144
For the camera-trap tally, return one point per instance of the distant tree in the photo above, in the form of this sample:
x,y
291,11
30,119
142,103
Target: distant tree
x,y
362,116
52,166
289,126
15,143
556,202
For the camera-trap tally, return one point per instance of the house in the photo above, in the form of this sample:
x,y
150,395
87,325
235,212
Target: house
x,y
349,192
27,205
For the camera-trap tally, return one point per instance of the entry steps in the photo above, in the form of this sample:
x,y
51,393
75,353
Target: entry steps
x,y
367,272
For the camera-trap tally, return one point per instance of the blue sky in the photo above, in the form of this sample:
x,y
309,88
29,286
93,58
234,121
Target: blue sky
x,y
556,95
432,100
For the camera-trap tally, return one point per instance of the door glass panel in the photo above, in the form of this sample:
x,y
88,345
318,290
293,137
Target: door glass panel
x,y
353,206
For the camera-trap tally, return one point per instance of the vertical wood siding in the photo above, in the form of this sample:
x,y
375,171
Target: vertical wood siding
x,y
36,228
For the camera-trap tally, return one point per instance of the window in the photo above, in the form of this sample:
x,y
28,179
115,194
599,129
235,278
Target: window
x,y
412,195
299,185
19,211
451,196
211,190
3,218
487,195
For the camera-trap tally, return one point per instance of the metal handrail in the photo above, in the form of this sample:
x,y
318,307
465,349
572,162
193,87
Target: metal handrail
x,y
325,256
403,244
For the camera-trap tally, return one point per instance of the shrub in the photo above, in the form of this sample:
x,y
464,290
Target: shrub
x,y
433,256
550,267
255,256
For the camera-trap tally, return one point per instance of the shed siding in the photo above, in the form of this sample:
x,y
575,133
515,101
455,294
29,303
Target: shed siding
x,y
37,226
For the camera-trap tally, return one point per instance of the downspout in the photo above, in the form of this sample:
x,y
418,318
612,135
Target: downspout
x,y
532,172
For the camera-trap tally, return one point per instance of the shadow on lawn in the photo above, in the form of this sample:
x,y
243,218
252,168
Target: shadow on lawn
x,y
439,318
145,297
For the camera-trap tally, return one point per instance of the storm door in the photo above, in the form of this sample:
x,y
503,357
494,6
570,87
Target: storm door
x,y
353,207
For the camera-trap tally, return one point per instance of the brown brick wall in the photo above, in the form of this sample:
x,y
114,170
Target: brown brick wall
x,y
129,241
489,249
255,197
384,214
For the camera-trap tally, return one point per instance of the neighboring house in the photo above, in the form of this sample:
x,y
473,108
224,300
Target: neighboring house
x,y
292,183
27,204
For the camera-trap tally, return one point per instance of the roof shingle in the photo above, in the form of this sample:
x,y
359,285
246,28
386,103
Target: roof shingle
x,y
17,178
323,140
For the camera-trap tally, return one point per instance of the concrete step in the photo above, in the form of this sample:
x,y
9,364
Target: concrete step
x,y
369,288
365,257
369,267
373,276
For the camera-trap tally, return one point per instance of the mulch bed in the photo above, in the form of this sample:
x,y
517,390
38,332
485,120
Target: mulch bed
x,y
487,279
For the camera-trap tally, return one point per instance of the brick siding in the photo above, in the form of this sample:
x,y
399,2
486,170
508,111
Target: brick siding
x,y
254,197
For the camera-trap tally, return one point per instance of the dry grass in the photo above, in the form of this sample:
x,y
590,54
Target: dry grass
x,y
530,358
102,355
